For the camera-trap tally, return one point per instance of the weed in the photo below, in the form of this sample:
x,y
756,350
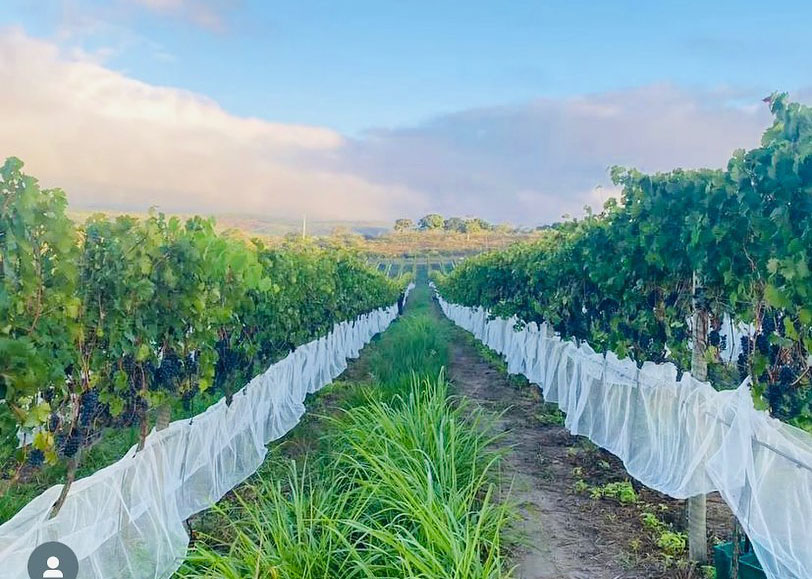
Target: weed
x,y
622,491
708,571
672,543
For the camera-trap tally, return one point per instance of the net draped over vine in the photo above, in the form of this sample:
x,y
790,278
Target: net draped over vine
x,y
127,520
676,435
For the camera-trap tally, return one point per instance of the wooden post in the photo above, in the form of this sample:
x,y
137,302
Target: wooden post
x,y
697,506
737,537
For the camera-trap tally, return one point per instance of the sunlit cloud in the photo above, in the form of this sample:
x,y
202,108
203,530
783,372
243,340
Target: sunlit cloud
x,y
533,162
114,142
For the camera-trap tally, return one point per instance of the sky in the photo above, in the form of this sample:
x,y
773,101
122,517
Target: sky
x,y
375,110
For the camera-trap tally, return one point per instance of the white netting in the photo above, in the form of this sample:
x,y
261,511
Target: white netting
x,y
680,437
127,520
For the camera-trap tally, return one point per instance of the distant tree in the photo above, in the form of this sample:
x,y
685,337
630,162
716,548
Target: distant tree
x,y
475,224
431,221
455,224
404,224
341,231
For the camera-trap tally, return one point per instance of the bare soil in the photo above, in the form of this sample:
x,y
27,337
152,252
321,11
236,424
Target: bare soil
x,y
567,534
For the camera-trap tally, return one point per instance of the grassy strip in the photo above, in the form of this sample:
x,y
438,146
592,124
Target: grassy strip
x,y
401,484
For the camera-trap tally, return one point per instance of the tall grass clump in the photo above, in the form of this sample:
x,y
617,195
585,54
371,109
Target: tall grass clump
x,y
425,469
410,491
405,486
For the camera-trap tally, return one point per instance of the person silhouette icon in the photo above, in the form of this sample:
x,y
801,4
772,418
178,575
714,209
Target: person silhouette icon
x,y
53,571
52,560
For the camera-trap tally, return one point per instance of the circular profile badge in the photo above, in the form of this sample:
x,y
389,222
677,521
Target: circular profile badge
x,y
53,560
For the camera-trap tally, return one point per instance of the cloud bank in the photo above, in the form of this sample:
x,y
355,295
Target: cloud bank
x,y
113,142
534,162
117,143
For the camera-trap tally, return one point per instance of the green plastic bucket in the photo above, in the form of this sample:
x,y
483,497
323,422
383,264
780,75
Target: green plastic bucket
x,y
749,567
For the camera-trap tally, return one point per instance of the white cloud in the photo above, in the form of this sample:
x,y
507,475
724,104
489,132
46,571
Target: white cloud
x,y
111,141
114,142
209,14
99,32
530,163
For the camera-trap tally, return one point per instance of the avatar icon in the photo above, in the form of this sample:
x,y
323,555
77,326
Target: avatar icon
x,y
53,571
53,560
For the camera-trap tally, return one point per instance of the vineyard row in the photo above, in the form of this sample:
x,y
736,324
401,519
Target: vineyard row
x,y
123,321
703,246
674,434
127,520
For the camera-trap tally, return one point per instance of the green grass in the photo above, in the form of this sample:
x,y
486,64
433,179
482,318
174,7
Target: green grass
x,y
400,483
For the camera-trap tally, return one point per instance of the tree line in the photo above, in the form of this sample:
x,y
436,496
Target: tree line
x,y
436,222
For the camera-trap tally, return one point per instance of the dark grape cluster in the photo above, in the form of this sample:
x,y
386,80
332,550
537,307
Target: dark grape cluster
x,y
784,396
228,359
743,361
36,458
671,299
717,340
128,365
88,407
701,299
170,373
133,408
763,344
70,444
133,402
785,399
191,364
186,399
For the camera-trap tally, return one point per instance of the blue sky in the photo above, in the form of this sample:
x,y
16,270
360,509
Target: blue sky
x,y
405,78
361,64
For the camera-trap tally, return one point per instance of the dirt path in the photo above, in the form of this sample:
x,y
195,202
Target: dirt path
x,y
568,542
569,535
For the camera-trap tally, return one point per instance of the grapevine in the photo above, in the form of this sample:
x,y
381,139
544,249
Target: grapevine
x,y
622,279
105,321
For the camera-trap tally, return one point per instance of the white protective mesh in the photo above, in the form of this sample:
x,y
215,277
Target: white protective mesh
x,y
127,520
680,437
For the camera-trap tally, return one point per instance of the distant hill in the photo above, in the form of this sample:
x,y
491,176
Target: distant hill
x,y
375,238
268,226
275,226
